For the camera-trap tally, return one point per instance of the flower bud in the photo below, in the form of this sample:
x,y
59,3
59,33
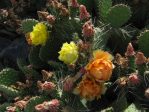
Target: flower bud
x,y
130,50
42,14
140,58
47,86
11,109
133,79
74,3
50,19
88,29
40,108
21,104
64,11
83,13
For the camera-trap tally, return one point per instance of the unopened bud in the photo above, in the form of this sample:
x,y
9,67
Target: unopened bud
x,y
140,58
83,13
130,50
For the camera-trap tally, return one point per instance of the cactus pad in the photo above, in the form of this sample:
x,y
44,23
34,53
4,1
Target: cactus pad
x,y
9,91
104,8
8,76
144,42
30,107
118,15
27,25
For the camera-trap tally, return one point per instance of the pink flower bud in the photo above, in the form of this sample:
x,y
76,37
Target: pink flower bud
x,y
52,106
40,108
140,58
133,79
21,104
88,29
47,86
68,84
11,109
83,13
50,19
74,3
130,50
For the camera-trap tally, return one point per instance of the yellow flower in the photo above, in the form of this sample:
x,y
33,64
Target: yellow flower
x,y
68,53
100,68
89,89
39,35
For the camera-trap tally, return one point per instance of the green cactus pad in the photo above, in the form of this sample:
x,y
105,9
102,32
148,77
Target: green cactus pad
x,y
3,107
118,15
59,35
144,42
104,6
27,25
29,72
30,107
8,76
34,58
100,39
9,91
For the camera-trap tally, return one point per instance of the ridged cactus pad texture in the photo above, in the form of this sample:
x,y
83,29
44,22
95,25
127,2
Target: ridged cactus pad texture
x,y
27,25
118,15
3,107
9,91
34,59
144,42
104,6
8,76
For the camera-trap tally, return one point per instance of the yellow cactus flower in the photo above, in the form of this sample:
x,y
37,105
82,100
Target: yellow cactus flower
x,y
39,35
68,53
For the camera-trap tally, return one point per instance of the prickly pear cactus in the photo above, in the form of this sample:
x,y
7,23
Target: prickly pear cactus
x,y
104,6
9,91
144,42
30,107
118,15
8,76
27,25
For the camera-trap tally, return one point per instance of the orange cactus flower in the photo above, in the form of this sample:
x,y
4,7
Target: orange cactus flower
x,y
89,89
101,66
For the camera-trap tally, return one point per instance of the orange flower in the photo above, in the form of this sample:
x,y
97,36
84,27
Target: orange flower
x,y
89,89
100,68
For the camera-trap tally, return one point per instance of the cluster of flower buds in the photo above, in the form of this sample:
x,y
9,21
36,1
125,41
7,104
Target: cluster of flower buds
x,y
88,29
59,6
46,16
84,15
48,106
46,86
21,104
